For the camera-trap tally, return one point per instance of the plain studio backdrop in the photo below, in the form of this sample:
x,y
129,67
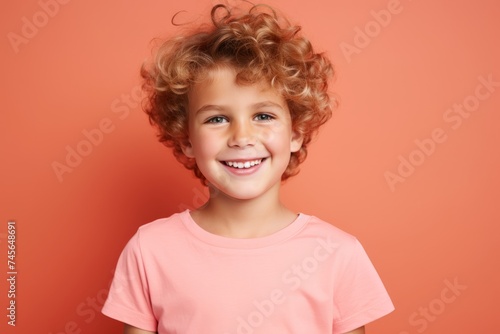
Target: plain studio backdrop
x,y
409,163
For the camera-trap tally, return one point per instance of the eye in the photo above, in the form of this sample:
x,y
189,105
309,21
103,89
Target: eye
x,y
263,117
216,119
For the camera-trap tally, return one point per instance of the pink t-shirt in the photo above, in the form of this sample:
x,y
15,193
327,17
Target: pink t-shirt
x,y
310,277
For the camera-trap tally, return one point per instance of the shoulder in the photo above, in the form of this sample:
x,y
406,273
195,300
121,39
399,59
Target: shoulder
x,y
321,228
342,246
163,229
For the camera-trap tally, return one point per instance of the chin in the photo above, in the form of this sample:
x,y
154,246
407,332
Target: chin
x,y
242,195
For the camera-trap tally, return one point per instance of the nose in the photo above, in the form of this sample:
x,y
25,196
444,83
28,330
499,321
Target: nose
x,y
242,134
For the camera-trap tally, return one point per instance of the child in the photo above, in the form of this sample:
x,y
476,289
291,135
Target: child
x,y
239,101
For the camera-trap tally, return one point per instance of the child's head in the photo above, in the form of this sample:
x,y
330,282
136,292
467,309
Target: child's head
x,y
258,45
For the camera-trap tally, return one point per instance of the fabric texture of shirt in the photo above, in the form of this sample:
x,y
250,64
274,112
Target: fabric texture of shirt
x,y
309,277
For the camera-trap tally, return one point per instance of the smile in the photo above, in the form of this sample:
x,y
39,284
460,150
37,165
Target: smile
x,y
243,164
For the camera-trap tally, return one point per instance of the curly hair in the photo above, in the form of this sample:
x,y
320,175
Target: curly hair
x,y
260,46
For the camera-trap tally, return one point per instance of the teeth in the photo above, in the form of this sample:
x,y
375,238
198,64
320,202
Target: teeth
x,y
246,164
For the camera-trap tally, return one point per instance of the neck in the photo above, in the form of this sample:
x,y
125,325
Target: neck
x,y
237,218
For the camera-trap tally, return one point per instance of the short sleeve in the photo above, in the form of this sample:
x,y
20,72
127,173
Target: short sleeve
x,y
360,296
129,296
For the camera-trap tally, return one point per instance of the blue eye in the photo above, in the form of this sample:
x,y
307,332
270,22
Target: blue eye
x,y
264,117
216,119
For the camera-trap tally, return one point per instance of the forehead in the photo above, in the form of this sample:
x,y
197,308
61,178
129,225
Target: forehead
x,y
221,85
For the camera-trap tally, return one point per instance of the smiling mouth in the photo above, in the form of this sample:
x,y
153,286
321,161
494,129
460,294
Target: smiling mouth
x,y
243,164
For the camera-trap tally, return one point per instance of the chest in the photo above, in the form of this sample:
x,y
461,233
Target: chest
x,y
245,292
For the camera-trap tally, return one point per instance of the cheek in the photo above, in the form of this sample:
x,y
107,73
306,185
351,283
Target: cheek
x,y
205,145
276,138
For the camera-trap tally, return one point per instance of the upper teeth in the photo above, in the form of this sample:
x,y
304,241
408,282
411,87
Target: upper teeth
x,y
246,164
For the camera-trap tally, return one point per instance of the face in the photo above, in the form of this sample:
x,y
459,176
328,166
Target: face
x,y
240,135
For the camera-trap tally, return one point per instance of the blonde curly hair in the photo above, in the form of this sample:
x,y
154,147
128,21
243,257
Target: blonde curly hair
x,y
259,45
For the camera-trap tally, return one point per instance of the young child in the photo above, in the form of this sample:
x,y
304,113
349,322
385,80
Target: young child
x,y
238,101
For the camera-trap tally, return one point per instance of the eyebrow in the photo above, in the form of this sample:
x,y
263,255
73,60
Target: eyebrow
x,y
208,107
259,105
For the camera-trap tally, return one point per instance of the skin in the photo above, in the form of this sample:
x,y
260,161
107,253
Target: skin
x,y
231,122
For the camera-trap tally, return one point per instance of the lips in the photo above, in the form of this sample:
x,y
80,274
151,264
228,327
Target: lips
x,y
240,164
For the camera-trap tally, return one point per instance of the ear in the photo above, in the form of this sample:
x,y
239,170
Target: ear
x,y
296,142
187,149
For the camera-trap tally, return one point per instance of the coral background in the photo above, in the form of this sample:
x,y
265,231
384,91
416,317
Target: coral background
x,y
399,166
